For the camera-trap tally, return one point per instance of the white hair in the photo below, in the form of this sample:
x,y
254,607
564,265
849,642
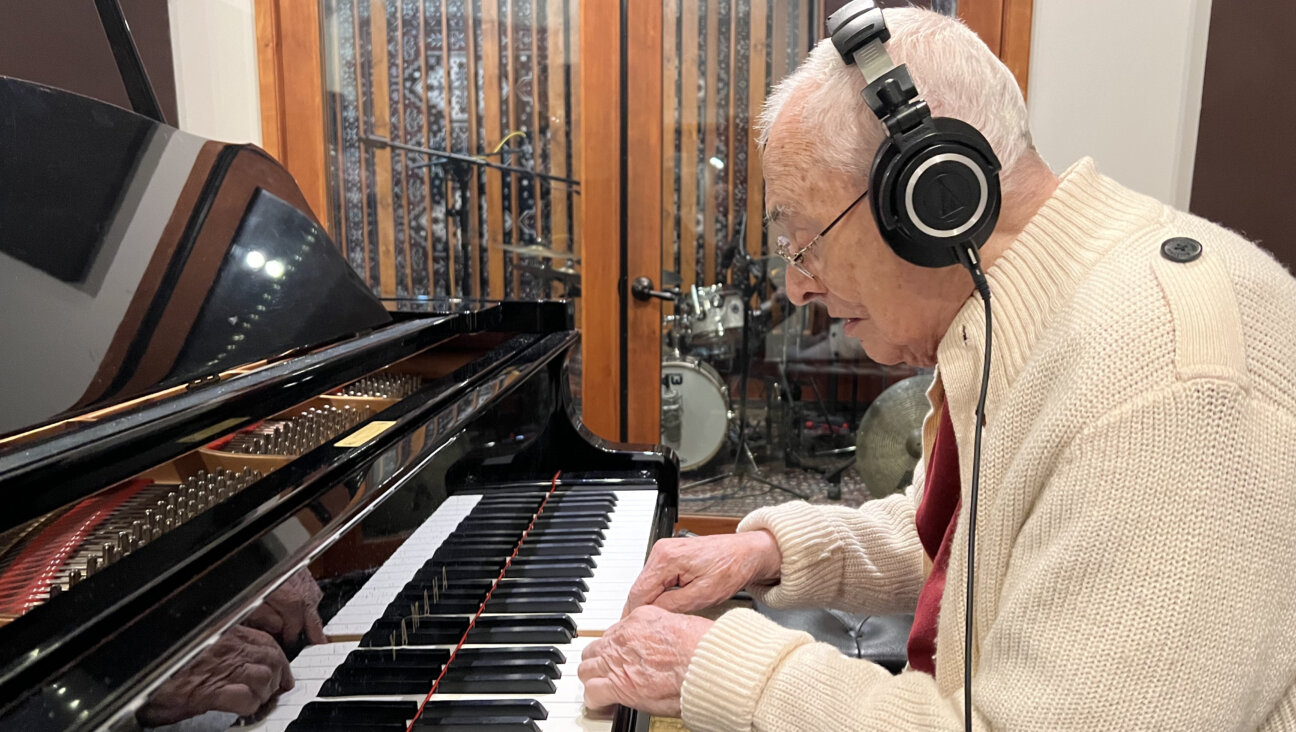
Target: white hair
x,y
954,71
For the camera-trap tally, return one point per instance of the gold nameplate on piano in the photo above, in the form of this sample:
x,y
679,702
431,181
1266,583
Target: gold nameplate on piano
x,y
365,434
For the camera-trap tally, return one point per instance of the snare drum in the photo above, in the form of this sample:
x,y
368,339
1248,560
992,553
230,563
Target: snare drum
x,y
695,411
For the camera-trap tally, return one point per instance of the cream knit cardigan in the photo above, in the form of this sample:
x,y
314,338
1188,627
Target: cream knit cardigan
x,y
1137,505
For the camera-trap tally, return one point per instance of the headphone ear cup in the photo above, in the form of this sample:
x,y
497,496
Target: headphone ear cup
x,y
933,189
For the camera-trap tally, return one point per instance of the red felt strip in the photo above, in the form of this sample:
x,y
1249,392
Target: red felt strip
x,y
482,608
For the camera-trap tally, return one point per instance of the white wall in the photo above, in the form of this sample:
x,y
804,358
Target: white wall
x,y
1120,80
214,45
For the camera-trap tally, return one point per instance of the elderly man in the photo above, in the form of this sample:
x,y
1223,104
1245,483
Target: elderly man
x,y
1138,480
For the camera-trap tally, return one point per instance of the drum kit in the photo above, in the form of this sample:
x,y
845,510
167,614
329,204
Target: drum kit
x,y
711,337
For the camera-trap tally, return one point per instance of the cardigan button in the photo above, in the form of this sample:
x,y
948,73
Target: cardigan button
x,y
1181,249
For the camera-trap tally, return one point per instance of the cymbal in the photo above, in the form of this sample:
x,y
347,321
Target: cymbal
x,y
564,274
535,250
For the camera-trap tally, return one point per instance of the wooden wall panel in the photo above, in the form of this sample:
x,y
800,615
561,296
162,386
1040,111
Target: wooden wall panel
x,y
600,145
1015,39
643,219
292,94
690,98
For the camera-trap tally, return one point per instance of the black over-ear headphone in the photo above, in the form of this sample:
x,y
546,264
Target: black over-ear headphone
x,y
934,184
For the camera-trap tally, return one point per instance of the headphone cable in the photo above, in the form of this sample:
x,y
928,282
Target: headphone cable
x,y
968,256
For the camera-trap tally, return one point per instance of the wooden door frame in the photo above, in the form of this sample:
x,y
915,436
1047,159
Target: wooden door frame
x,y
621,200
290,69
619,163
1005,26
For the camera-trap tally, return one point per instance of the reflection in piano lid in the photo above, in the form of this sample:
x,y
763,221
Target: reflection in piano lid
x,y
219,432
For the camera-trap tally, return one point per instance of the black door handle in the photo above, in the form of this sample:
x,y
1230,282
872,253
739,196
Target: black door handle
x,y
642,289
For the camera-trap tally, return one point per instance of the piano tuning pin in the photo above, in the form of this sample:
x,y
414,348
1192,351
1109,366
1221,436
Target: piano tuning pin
x,y
427,606
122,536
182,506
445,582
436,594
393,643
404,636
55,590
414,613
74,578
92,565
137,530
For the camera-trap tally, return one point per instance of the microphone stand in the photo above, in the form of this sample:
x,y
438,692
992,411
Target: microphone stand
x,y
747,469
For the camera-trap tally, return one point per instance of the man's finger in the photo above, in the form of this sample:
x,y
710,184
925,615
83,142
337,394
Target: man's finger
x,y
592,668
265,651
600,694
261,680
693,596
235,698
315,628
652,582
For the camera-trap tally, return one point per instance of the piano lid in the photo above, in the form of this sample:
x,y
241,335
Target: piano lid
x,y
135,257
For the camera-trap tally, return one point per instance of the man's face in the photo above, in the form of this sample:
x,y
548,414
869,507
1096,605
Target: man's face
x,y
898,311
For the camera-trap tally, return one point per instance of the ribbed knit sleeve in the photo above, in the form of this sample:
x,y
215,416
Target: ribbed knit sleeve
x,y
865,560
1148,590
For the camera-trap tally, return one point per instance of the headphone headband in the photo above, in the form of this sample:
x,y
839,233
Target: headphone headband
x,y
934,183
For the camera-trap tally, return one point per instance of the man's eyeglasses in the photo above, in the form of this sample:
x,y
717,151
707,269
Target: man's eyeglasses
x,y
783,246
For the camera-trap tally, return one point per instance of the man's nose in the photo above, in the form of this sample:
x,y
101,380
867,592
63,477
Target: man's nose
x,y
801,289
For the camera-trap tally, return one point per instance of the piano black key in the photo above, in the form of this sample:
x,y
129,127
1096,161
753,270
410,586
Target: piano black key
x,y
541,523
317,725
350,714
437,656
534,682
468,605
550,512
468,708
553,567
494,532
440,630
447,559
375,686
514,605
478,724
498,677
413,592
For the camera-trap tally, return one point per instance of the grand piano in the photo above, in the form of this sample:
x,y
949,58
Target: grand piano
x,y
208,419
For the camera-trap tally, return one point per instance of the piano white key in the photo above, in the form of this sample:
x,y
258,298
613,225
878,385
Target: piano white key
x,y
357,616
565,705
624,549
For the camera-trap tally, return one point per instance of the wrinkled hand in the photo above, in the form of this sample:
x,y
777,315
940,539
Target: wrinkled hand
x,y
641,661
240,673
706,570
293,608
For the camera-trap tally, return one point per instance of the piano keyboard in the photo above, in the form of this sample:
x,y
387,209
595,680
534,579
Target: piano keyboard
x,y
518,669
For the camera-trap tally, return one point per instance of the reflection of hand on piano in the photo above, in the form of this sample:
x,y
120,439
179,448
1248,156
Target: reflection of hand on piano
x,y
641,661
240,673
291,611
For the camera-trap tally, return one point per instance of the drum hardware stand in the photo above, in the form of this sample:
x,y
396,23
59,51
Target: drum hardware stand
x,y
746,469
